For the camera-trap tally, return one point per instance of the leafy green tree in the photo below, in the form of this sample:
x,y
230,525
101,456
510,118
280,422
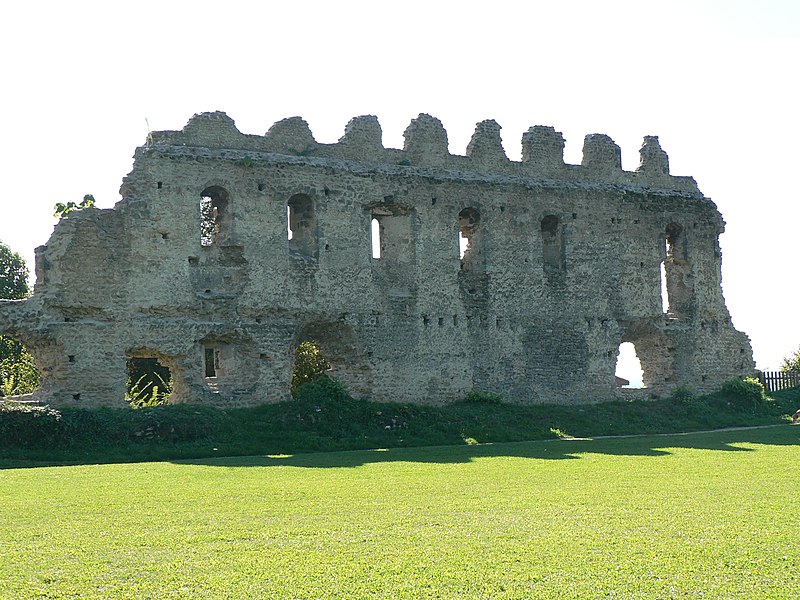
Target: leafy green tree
x,y
309,365
13,275
791,363
18,373
62,210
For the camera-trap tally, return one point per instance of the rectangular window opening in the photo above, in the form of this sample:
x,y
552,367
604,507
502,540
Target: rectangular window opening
x,y
211,362
375,228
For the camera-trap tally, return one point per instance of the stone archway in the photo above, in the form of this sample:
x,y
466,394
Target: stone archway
x,y
655,351
339,344
19,370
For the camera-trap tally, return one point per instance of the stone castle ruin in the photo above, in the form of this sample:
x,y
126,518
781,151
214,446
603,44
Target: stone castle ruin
x,y
520,278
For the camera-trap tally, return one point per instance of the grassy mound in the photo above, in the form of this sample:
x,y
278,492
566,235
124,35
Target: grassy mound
x,y
324,417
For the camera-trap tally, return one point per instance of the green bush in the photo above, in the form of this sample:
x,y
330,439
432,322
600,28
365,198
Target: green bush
x,y
479,397
174,423
23,424
322,390
747,391
683,395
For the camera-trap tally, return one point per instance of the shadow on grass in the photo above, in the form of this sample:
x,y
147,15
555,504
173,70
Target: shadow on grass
x,y
333,430
557,449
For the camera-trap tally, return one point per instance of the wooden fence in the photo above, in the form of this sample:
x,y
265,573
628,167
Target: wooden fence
x,y
778,380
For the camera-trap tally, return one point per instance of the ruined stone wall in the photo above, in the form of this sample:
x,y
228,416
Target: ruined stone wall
x,y
194,267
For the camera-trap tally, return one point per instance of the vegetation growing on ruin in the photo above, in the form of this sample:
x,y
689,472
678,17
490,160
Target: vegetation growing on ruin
x,y
689,516
149,383
323,417
62,210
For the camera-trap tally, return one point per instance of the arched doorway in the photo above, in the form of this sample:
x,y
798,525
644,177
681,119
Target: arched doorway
x,y
334,348
19,373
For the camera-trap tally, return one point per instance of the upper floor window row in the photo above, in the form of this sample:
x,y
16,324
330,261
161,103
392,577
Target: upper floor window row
x,y
391,232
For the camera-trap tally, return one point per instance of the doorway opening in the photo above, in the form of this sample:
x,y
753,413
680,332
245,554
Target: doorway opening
x,y
628,372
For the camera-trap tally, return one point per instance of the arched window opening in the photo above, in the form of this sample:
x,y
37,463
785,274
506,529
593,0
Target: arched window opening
x,y
677,284
301,225
469,230
664,294
214,215
628,373
552,245
149,381
19,374
309,365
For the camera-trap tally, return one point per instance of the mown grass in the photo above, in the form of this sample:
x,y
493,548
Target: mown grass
x,y
686,516
325,418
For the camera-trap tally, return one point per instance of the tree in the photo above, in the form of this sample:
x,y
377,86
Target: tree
x,y
309,365
18,373
13,275
791,363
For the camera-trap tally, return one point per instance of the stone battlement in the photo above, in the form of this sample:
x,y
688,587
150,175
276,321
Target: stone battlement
x,y
426,146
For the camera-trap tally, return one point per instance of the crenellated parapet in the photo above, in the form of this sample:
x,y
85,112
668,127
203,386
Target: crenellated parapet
x,y
426,145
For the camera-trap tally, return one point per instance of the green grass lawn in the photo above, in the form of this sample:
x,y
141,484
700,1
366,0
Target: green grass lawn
x,y
712,515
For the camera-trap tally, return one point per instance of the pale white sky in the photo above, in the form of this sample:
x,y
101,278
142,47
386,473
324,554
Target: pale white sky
x,y
717,81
